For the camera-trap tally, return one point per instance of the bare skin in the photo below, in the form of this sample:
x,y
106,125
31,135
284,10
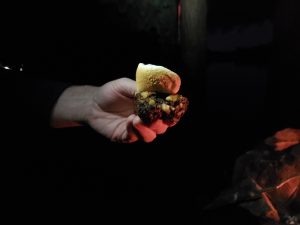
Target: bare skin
x,y
108,109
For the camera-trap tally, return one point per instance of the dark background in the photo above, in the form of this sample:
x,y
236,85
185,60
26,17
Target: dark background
x,y
246,91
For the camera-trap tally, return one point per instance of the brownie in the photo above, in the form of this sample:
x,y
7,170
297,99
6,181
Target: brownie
x,y
150,106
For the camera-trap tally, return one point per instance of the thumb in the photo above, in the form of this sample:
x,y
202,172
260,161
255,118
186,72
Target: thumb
x,y
126,87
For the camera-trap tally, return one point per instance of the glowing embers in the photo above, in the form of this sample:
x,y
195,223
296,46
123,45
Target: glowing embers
x,y
286,138
267,180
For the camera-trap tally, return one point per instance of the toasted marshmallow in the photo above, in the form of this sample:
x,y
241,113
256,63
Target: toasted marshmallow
x,y
157,79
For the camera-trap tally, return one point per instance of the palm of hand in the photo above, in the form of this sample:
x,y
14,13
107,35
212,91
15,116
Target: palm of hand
x,y
113,112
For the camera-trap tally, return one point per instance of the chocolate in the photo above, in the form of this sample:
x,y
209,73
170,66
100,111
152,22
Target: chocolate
x,y
150,106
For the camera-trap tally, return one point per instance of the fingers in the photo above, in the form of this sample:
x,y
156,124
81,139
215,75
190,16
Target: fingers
x,y
145,132
148,132
159,127
130,135
126,87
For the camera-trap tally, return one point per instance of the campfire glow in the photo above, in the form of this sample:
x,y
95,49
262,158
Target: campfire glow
x,y
267,180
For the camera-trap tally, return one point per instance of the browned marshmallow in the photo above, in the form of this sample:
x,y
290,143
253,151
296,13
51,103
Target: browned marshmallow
x,y
156,79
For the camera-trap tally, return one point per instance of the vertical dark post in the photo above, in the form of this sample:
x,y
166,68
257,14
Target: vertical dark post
x,y
193,36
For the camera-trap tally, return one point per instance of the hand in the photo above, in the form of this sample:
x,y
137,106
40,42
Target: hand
x,y
108,109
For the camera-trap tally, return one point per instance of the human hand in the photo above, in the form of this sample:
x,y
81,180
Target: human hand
x,y
108,109
113,114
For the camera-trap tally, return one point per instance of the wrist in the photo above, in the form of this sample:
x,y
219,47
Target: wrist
x,y
74,106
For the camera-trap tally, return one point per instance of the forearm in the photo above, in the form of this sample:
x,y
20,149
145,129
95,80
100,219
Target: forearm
x,y
74,106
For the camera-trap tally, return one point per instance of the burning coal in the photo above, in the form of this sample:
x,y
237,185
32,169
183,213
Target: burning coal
x,y
266,180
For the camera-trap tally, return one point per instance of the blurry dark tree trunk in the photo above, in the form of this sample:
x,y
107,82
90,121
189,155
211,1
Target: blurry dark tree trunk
x,y
193,36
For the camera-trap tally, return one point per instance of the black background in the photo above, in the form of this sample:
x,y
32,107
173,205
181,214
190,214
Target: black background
x,y
250,92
